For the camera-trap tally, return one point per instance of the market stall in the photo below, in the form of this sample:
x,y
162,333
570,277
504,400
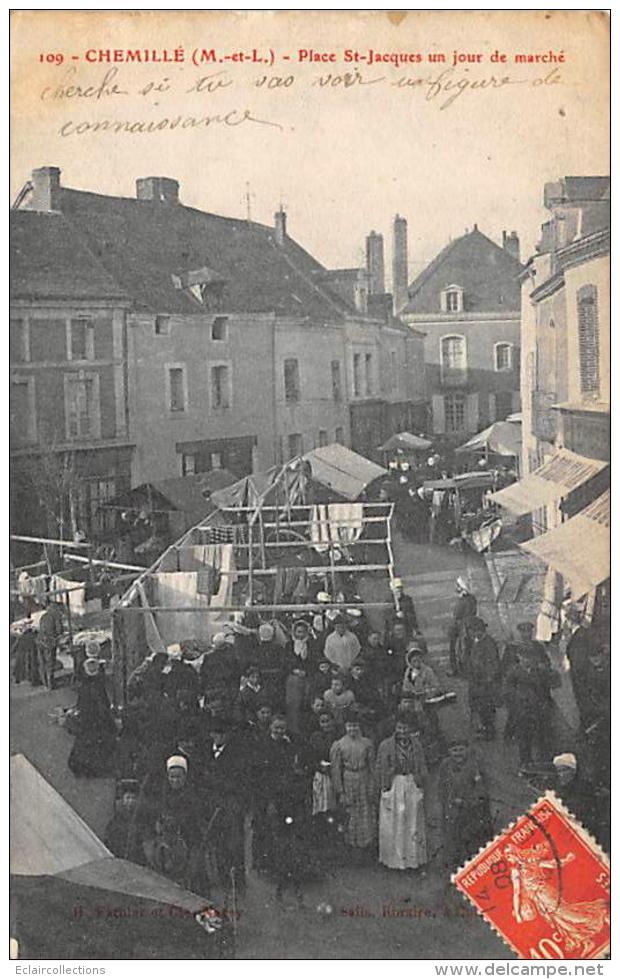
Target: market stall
x,y
277,541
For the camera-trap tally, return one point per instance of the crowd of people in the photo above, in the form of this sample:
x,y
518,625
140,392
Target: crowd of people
x,y
309,742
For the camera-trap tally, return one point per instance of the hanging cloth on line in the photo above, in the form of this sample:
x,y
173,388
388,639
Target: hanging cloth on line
x,y
335,523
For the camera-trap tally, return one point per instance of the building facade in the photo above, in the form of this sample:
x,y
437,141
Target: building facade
x,y
197,341
565,376
467,303
70,445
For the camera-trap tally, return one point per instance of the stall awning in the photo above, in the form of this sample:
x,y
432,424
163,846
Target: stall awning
x,y
502,438
562,474
580,548
405,442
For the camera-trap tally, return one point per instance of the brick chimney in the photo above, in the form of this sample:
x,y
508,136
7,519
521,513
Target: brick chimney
x,y
163,189
279,224
400,264
375,264
510,243
360,296
45,189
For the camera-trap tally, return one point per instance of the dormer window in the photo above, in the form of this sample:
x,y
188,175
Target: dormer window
x,y
452,299
205,285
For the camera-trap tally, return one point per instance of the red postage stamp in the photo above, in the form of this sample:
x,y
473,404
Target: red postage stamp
x,y
543,885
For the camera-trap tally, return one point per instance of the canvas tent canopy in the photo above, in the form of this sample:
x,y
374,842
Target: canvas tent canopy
x,y
579,548
71,898
189,496
500,438
406,443
334,469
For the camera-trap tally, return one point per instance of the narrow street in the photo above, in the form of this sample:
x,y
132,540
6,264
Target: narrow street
x,y
377,913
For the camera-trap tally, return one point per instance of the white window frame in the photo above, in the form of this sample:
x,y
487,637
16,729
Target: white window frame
x,y
462,399
82,375
168,388
25,337
29,381
212,365
510,348
449,290
90,340
453,336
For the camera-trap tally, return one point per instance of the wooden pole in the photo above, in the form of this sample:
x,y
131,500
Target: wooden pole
x,y
262,608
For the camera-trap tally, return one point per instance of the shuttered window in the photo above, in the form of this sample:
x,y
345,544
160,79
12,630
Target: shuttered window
x,y
587,316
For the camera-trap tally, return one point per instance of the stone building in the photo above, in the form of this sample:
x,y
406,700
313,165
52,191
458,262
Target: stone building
x,y
467,303
229,345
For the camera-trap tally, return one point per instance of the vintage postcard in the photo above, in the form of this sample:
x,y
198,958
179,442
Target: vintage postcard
x,y
309,484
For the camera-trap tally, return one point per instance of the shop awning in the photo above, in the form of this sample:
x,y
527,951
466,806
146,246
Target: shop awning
x,y
579,549
558,477
502,438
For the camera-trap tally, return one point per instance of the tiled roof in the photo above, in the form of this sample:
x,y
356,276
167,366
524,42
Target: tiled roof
x,y
487,274
50,260
144,243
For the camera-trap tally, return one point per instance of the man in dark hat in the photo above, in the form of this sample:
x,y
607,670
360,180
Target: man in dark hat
x,y
528,691
225,795
483,676
465,803
524,642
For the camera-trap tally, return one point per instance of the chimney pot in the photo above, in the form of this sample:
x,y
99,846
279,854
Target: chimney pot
x,y
45,189
279,224
163,189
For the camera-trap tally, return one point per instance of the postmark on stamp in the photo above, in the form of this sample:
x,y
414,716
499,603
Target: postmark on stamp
x,y
543,885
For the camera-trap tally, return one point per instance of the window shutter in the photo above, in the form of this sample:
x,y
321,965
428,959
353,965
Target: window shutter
x,y
587,313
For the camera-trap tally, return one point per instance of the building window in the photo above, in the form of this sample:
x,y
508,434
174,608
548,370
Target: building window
x,y
454,411
23,429
48,340
503,356
188,464
503,405
295,446
162,326
82,405
92,516
216,460
291,381
81,339
453,353
177,388
220,386
322,436
219,328
394,369
368,365
357,378
339,435
588,329
452,299
18,341
336,381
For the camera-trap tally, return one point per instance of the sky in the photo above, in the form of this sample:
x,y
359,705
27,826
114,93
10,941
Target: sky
x,y
343,159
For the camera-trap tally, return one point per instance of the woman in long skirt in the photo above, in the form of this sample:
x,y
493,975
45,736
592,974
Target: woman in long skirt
x,y
352,763
401,776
